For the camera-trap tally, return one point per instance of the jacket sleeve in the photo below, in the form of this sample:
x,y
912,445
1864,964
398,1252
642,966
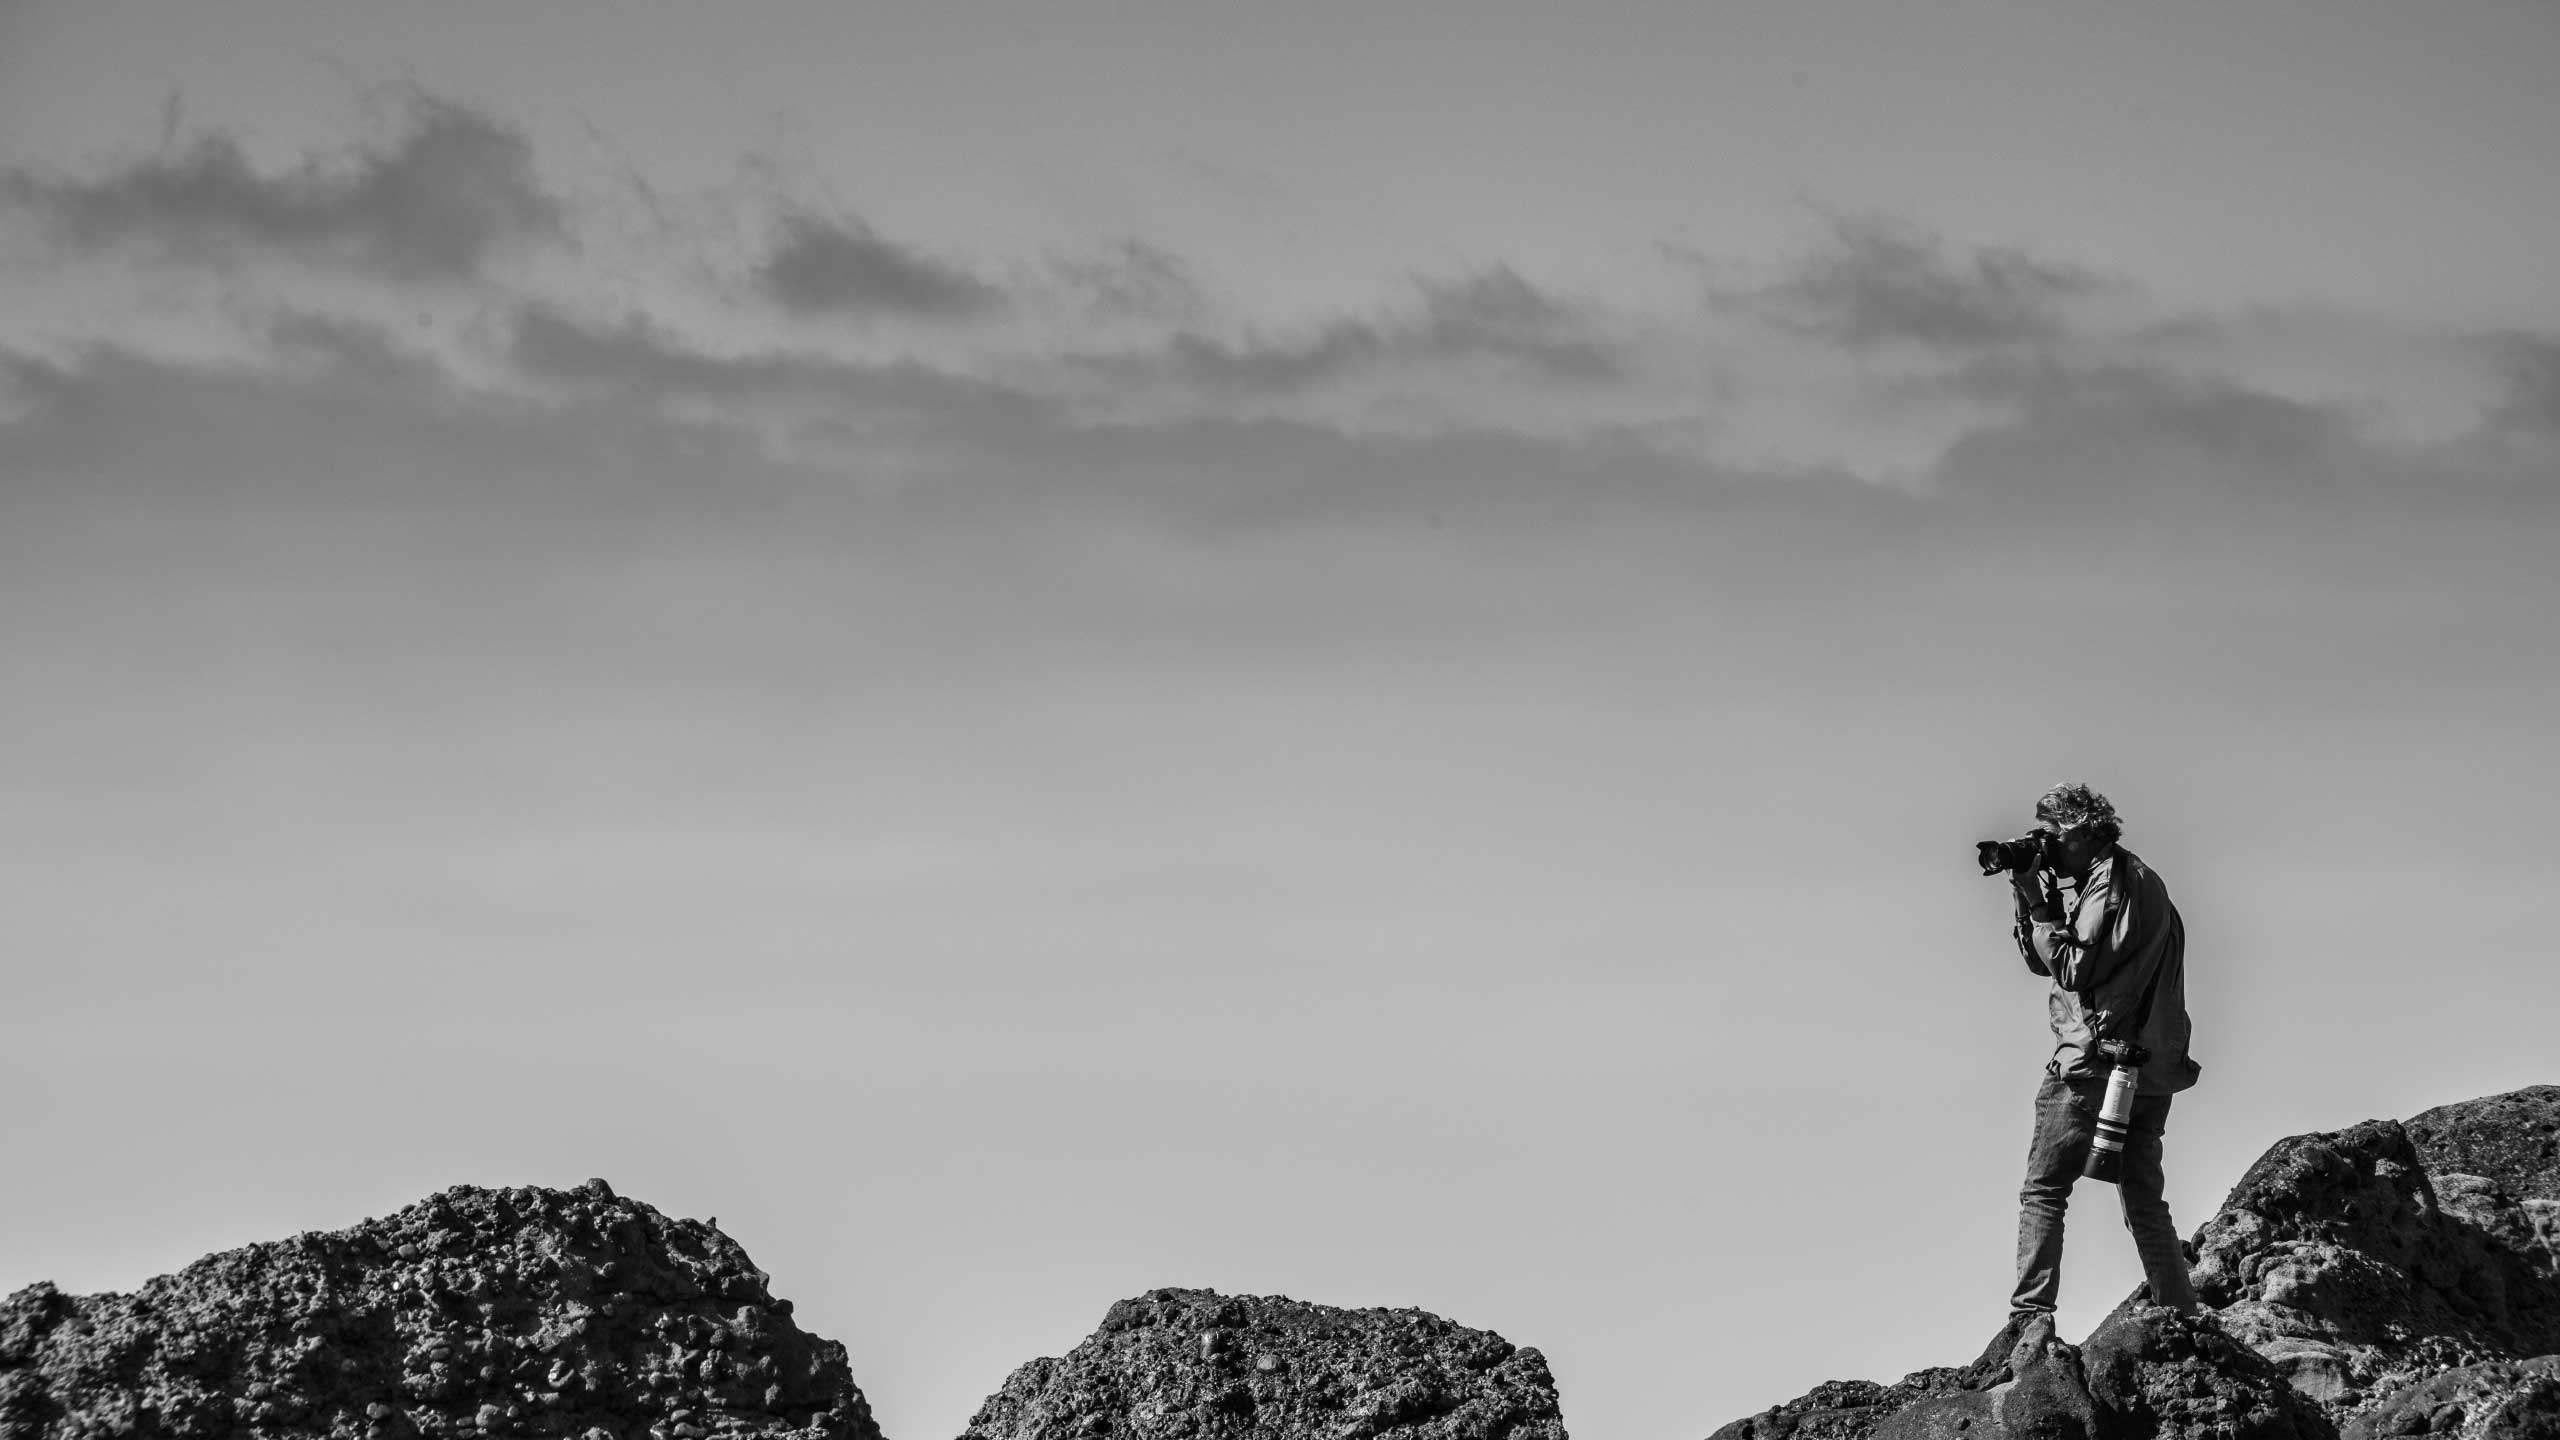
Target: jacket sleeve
x,y
2085,950
2023,930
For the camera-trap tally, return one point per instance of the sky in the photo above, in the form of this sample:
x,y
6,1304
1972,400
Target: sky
x,y
1032,651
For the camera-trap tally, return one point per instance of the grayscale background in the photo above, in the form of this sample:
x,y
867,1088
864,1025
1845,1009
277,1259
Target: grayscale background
x,y
1349,649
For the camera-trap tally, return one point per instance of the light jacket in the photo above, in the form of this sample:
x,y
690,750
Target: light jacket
x,y
2120,932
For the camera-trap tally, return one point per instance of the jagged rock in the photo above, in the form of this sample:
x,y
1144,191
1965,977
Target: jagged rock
x,y
2145,1372
1852,1409
2387,1279
474,1313
2510,1140
2154,1372
2359,1267
2024,1387
1194,1363
2496,1400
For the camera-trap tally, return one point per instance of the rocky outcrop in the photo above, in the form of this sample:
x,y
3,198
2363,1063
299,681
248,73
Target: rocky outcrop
x,y
1194,1363
2495,1400
2392,1278
2145,1372
474,1313
2511,1140
2360,1265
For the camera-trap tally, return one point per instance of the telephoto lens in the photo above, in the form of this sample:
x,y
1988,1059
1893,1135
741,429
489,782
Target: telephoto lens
x,y
2115,1122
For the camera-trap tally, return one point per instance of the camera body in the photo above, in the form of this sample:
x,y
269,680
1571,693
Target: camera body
x,y
2023,853
2123,1052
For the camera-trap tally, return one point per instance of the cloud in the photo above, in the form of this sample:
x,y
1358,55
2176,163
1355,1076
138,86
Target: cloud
x,y
1256,365
1493,315
352,349
1228,476
1132,280
1014,446
451,191
1495,312
290,432
1882,282
636,356
988,446
2529,366
823,267
405,527
2192,451
2121,465
2008,389
274,448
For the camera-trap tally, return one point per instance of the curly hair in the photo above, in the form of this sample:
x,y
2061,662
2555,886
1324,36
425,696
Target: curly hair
x,y
2072,805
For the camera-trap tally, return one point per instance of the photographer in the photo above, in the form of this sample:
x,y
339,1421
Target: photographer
x,y
2098,921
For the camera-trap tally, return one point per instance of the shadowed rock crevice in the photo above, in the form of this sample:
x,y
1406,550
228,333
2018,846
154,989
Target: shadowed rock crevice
x,y
2389,1279
1194,1363
474,1313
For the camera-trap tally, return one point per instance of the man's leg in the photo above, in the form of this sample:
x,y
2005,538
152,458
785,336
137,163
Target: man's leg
x,y
2054,1158
2146,1214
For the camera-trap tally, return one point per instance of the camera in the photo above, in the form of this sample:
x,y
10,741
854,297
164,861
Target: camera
x,y
1996,856
2120,1053
2115,1115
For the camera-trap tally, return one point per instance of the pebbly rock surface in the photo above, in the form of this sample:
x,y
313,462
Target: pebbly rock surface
x,y
474,1313
2389,1279
2495,1400
1194,1363
2511,1140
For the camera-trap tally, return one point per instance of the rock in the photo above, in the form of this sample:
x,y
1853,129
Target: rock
x,y
1192,1363
2044,1397
2322,1372
2146,1372
2510,1140
2158,1373
521,1312
2355,1262
2494,1400
1853,1409
2389,1279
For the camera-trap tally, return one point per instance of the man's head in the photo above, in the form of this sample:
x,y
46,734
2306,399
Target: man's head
x,y
2082,822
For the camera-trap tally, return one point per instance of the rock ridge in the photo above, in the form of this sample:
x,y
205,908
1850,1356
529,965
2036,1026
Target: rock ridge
x,y
1195,1363
473,1313
2394,1278
2390,1279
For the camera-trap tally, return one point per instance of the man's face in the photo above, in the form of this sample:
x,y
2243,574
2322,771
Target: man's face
x,y
2069,848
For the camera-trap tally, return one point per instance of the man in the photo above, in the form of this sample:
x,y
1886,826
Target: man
x,y
2116,952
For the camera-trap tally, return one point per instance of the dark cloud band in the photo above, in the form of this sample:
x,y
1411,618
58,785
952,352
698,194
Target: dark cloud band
x,y
1880,282
1493,315
447,194
823,267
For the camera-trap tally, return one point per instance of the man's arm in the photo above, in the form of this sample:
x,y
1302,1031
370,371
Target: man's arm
x,y
2084,949
2034,903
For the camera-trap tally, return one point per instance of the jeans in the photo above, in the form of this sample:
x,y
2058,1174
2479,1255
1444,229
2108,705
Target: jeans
x,y
2066,1120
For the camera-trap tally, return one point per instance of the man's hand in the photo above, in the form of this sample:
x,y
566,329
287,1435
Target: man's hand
x,y
2036,898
